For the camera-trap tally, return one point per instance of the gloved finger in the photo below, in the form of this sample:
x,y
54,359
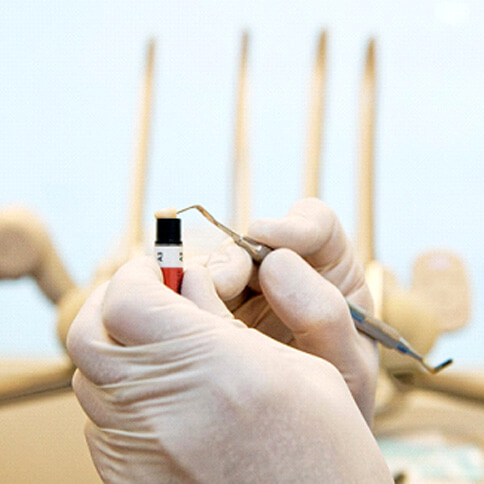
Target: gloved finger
x,y
312,308
230,268
93,436
89,344
98,408
199,288
318,315
101,449
90,347
256,313
195,260
121,456
308,226
313,231
139,309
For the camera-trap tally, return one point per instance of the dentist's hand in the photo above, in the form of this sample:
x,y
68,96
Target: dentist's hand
x,y
178,391
297,295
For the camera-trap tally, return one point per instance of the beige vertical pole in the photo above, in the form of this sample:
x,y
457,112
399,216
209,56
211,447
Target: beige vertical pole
x,y
241,190
365,220
315,123
135,210
132,241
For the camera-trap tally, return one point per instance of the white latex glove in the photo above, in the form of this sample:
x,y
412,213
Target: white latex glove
x,y
299,299
177,391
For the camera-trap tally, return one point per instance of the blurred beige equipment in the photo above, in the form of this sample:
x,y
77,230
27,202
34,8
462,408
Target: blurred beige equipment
x,y
241,170
133,239
414,408
42,421
315,122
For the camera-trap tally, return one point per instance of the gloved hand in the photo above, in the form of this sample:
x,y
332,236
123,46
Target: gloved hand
x,y
178,391
297,295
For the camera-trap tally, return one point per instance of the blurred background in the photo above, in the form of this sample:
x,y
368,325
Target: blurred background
x,y
69,99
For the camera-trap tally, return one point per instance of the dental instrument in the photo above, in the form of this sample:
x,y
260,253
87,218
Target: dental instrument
x,y
364,322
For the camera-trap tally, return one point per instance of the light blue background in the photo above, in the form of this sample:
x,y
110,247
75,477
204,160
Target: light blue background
x,y
69,82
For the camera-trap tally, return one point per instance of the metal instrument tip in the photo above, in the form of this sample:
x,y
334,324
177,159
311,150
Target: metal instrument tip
x,y
438,368
197,207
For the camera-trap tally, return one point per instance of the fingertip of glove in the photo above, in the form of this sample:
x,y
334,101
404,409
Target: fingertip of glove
x,y
78,334
294,231
144,263
280,263
230,268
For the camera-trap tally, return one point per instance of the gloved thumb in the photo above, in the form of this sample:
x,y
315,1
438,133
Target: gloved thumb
x,y
139,309
230,268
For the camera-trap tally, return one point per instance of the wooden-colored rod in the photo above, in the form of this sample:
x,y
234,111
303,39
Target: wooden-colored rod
x,y
28,378
241,176
467,385
135,220
315,122
365,210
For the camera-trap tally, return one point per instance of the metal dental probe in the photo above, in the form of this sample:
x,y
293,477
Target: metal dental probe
x,y
364,322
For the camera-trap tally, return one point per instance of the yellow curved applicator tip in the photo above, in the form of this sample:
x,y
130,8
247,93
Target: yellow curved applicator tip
x,y
169,212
